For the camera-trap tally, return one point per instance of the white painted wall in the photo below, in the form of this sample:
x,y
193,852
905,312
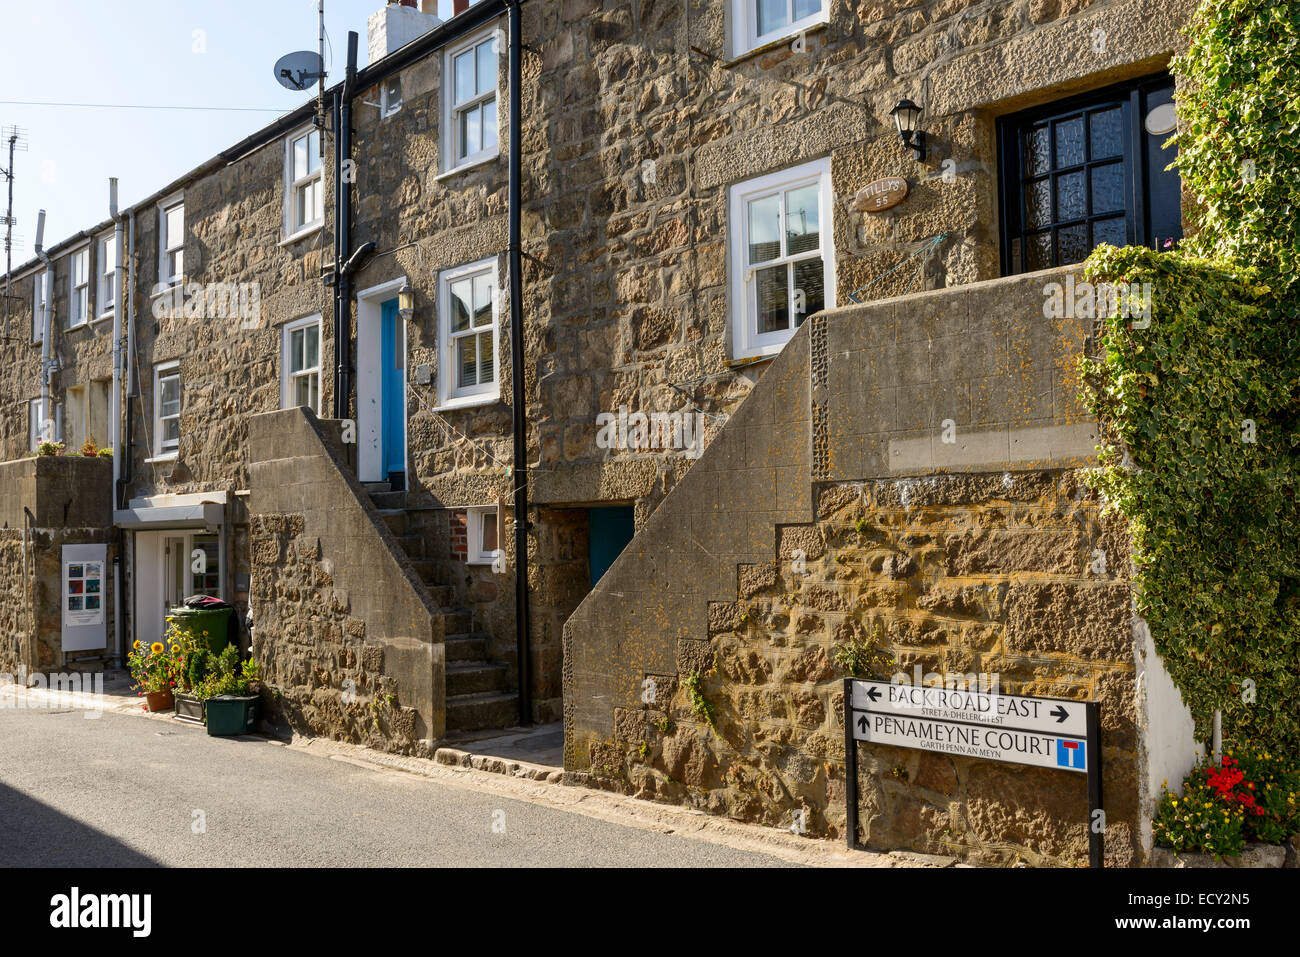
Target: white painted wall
x,y
1167,746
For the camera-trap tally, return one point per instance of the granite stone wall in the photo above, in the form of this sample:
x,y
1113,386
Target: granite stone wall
x,y
637,120
47,502
325,678
935,529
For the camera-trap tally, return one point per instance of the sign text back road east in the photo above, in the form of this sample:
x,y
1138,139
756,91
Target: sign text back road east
x,y
1044,732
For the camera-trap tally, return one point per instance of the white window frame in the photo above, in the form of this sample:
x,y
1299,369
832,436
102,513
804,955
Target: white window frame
x,y
386,106
744,25
449,396
475,554
293,230
106,273
746,340
79,293
170,244
451,110
166,370
286,374
38,307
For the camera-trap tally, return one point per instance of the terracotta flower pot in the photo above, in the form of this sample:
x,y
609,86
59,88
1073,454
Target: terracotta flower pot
x,y
159,700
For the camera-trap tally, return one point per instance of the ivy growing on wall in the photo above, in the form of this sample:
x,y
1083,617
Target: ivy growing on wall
x,y
1239,137
1199,405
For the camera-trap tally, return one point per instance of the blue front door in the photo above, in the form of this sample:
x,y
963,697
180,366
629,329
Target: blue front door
x,y
392,359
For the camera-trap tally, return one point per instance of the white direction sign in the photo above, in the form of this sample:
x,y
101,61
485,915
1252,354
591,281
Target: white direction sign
x,y
1044,732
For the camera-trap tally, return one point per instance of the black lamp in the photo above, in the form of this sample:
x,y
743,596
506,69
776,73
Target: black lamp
x,y
406,301
907,116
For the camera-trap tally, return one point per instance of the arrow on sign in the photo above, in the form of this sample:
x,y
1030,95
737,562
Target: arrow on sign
x,y
873,693
1059,713
862,723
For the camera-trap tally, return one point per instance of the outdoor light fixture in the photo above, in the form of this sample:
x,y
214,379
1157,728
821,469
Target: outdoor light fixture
x,y
406,301
907,115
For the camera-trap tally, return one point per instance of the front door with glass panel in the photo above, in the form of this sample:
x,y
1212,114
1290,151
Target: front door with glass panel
x,y
1087,171
191,566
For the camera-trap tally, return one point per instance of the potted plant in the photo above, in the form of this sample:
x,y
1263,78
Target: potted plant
x,y
194,662
153,671
228,693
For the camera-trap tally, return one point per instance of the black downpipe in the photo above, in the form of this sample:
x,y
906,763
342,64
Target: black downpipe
x,y
519,469
343,236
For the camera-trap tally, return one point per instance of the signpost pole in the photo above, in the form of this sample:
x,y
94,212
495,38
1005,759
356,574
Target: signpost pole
x,y
1096,828
850,770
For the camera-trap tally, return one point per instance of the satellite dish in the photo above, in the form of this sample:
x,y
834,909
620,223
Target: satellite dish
x,y
297,71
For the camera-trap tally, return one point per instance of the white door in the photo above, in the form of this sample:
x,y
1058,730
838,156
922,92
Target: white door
x,y
170,566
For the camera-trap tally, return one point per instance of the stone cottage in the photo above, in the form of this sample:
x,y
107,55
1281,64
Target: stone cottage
x,y
328,392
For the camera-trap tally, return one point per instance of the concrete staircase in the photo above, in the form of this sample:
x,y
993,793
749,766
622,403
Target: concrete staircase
x,y
478,686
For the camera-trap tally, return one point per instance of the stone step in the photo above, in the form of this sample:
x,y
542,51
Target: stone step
x,y
474,677
442,594
413,545
467,647
395,519
384,500
457,622
377,488
428,570
473,712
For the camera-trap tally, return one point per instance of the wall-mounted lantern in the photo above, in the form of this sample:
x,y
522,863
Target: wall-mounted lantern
x,y
907,118
406,301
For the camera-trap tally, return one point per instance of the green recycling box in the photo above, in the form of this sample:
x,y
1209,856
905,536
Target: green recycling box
x,y
215,621
229,714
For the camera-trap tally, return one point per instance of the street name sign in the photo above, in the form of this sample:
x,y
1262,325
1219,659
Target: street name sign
x,y
1039,732
1043,732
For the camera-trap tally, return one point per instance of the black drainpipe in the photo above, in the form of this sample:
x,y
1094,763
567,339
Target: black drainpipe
x,y
343,236
519,469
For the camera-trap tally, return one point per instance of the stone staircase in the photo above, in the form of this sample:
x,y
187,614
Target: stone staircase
x,y
478,686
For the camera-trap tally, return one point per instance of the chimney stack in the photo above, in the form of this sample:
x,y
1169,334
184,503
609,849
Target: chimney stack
x,y
458,7
398,23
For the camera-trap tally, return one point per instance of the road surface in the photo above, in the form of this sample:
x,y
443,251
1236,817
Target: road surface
x,y
123,790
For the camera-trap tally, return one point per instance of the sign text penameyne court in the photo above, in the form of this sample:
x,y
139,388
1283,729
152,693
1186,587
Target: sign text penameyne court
x,y
1043,732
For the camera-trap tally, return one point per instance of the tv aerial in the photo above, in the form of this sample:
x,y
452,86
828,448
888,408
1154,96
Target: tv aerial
x,y
298,71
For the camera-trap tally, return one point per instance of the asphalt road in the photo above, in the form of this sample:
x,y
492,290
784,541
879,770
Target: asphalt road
x,y
123,791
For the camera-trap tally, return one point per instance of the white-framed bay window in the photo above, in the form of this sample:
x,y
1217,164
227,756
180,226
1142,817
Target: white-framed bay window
x,y
300,364
782,257
171,240
304,183
470,101
106,272
79,287
755,23
469,334
38,306
167,409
